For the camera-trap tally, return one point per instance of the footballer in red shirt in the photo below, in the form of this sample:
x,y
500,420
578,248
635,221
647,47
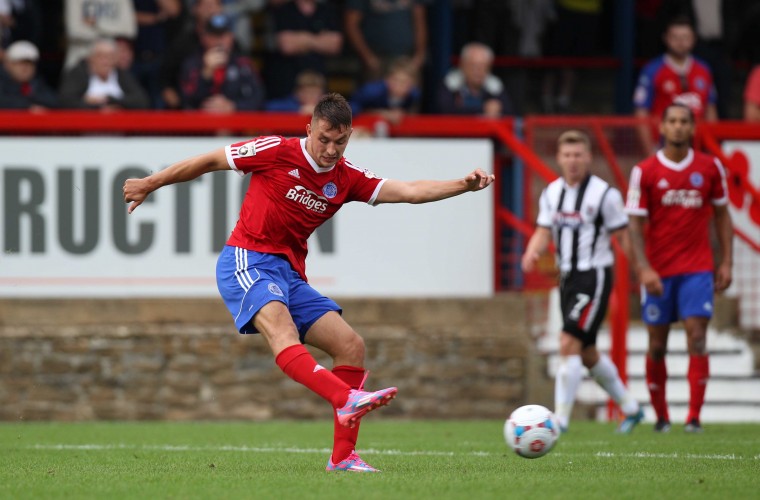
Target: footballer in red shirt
x,y
677,191
296,185
676,76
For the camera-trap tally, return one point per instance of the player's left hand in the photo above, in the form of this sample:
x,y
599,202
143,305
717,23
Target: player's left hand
x,y
478,180
723,277
135,191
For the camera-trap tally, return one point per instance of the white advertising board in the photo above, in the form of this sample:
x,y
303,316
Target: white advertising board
x,y
66,232
745,214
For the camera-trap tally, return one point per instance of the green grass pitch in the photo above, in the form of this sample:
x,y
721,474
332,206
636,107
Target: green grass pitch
x,y
419,460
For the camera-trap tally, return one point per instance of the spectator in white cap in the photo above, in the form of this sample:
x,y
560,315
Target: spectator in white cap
x,y
20,87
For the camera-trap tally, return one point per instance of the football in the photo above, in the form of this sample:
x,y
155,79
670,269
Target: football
x,y
531,431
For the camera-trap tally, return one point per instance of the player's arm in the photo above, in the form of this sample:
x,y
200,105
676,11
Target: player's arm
x,y
644,130
725,232
537,245
648,277
137,190
623,237
395,191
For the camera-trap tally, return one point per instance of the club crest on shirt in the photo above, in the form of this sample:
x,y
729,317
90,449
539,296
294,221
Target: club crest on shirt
x,y
245,150
274,289
696,179
330,190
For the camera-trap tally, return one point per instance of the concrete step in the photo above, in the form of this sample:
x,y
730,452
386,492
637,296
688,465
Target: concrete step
x,y
637,341
733,391
720,391
710,414
722,363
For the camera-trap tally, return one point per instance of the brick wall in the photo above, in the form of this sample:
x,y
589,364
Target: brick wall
x,y
182,360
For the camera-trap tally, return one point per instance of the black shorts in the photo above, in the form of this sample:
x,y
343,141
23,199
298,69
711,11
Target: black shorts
x,y
584,296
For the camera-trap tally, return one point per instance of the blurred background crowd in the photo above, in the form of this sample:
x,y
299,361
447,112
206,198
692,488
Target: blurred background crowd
x,y
391,57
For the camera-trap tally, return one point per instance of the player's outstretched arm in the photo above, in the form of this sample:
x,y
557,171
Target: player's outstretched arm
x,y
137,190
395,191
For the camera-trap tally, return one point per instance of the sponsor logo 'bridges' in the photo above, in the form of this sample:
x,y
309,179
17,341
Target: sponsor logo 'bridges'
x,y
309,199
686,198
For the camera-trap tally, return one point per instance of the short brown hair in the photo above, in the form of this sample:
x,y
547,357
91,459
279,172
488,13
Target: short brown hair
x,y
334,109
574,137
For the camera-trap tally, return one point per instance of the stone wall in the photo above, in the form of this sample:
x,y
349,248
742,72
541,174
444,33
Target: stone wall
x,y
182,360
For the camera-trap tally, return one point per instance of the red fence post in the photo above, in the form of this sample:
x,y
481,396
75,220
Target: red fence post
x,y
618,320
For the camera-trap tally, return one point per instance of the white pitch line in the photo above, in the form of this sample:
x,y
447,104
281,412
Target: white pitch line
x,y
372,451
644,454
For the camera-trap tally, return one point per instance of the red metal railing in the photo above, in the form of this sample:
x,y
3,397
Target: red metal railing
x,y
174,123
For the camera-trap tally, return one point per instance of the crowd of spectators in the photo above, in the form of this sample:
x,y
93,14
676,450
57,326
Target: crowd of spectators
x,y
281,55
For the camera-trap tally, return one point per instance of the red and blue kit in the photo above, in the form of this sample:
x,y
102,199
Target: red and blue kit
x,y
661,84
290,195
677,198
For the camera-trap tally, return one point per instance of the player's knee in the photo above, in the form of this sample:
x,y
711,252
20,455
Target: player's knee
x,y
590,357
353,349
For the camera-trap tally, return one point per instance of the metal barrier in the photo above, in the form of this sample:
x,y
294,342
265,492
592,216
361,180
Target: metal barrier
x,y
615,138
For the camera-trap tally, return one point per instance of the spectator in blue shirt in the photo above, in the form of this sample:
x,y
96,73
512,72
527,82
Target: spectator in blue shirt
x,y
309,88
394,96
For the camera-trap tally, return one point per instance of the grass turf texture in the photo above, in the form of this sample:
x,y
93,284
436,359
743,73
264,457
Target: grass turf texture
x,y
419,459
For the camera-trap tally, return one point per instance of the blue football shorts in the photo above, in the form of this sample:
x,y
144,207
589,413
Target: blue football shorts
x,y
684,296
248,280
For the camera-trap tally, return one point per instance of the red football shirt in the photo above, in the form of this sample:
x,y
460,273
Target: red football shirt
x,y
290,195
661,83
677,199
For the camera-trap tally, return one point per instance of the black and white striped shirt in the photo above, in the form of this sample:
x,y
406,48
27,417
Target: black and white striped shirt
x,y
581,219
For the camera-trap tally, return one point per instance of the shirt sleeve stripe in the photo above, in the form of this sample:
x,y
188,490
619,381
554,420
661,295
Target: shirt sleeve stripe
x,y
643,212
373,198
267,142
231,160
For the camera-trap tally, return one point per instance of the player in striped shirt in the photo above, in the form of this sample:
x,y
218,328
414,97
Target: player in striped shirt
x,y
296,185
580,212
677,191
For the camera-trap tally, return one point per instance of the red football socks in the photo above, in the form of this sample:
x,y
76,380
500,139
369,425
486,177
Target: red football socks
x,y
344,438
657,375
699,372
298,363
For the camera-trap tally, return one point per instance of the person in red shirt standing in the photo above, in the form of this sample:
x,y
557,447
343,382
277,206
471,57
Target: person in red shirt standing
x,y
675,76
677,191
296,185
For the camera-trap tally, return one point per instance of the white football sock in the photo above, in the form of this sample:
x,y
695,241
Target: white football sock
x,y
569,376
606,374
